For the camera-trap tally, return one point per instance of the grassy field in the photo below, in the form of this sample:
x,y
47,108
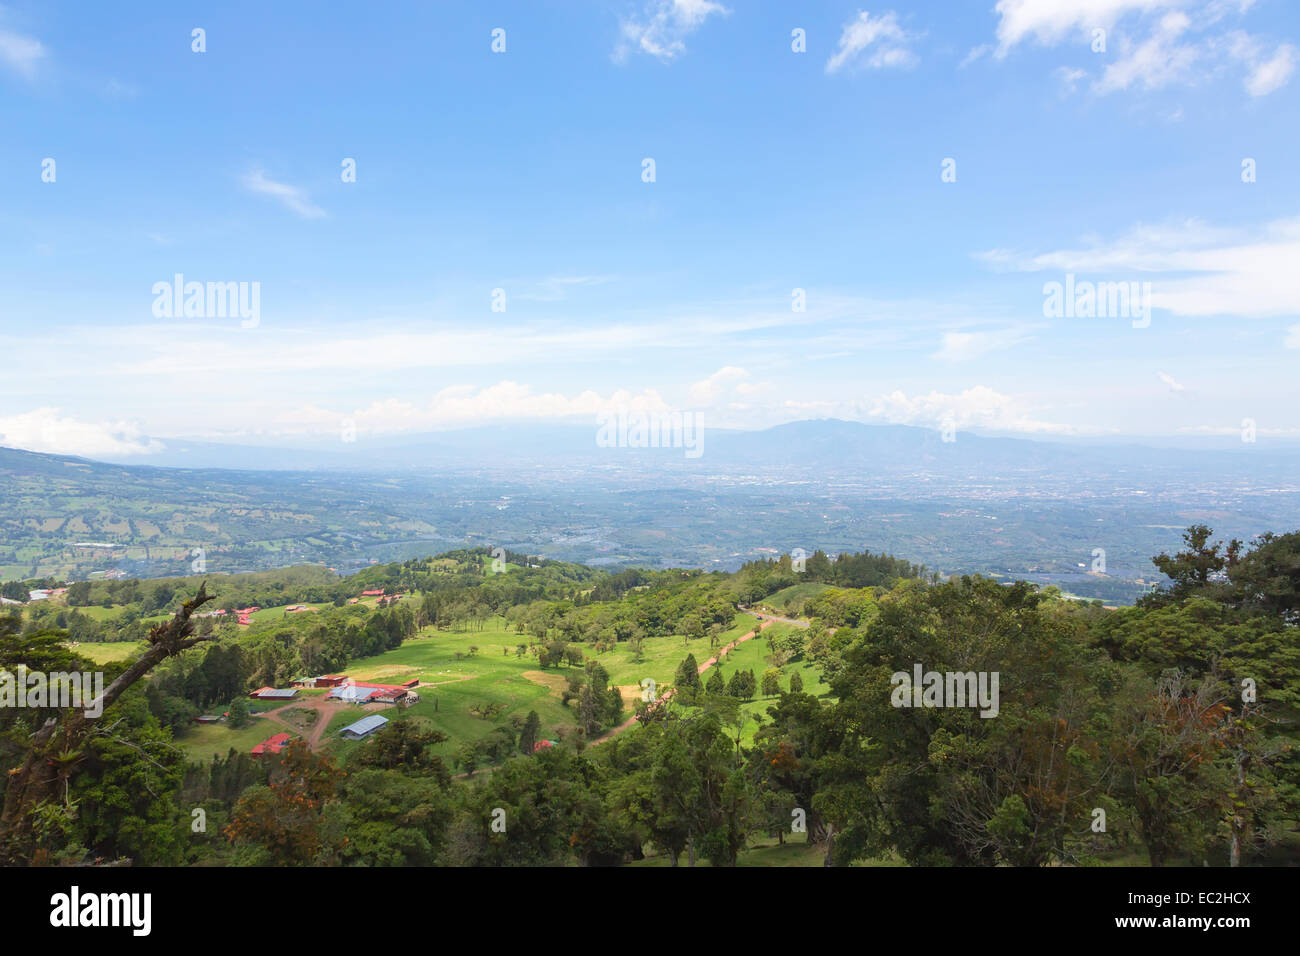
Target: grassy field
x,y
473,694
100,613
206,740
109,652
271,615
752,655
789,601
466,695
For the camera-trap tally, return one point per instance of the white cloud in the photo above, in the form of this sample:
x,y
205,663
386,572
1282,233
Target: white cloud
x,y
1207,270
1292,340
464,406
44,430
1156,62
663,26
1049,22
291,196
883,41
1069,78
710,389
977,407
1151,44
1265,74
19,53
1174,386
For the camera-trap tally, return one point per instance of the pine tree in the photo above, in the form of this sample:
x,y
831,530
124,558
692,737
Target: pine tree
x,y
531,729
716,684
688,674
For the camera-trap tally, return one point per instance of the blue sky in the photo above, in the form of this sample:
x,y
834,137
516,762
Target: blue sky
x,y
522,171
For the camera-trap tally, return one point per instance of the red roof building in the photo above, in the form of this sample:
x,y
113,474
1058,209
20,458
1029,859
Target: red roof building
x,y
271,745
379,593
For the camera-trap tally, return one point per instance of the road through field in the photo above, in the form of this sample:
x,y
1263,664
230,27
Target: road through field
x,y
765,623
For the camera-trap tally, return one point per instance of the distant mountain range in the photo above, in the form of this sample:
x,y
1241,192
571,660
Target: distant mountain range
x,y
1012,507
828,446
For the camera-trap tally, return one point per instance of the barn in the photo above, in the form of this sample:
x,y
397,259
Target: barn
x,y
274,693
364,727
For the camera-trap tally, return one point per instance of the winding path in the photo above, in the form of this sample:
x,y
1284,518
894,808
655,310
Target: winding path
x,y
765,623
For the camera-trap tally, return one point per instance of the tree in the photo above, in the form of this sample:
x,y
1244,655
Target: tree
x,y
796,683
56,751
771,682
403,745
530,733
928,782
287,819
687,679
1169,732
1266,579
239,712
715,684
1195,568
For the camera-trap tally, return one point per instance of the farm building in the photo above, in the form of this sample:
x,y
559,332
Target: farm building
x,y
271,745
331,680
274,693
376,593
363,727
542,745
413,682
359,692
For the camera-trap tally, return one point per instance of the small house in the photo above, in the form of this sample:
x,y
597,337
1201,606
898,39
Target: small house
x,y
271,745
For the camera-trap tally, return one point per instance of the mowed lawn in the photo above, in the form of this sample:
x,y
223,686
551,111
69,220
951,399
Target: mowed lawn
x,y
495,677
101,613
204,741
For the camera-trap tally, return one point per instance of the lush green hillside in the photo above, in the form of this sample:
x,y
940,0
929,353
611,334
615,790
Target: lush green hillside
x,y
638,716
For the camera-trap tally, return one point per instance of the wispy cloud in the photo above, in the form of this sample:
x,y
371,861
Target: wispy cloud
x,y
1150,44
1174,385
1265,72
21,54
874,42
965,346
291,196
1206,270
465,405
662,27
555,288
